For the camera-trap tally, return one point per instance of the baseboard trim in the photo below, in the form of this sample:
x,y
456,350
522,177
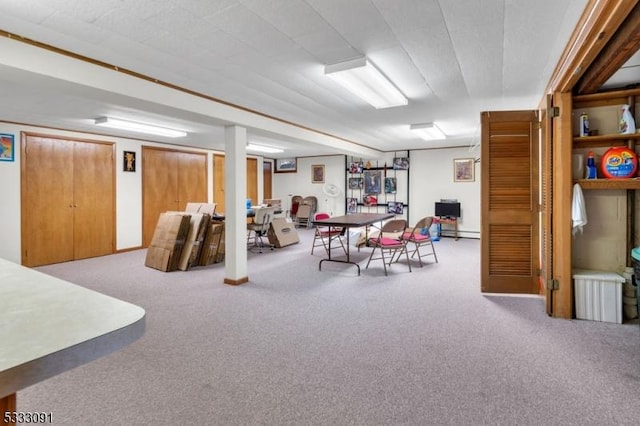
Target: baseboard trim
x,y
129,249
236,282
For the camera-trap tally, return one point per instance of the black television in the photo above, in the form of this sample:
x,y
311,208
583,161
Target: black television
x,y
447,209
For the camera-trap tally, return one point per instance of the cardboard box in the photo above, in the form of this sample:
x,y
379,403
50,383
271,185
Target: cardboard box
x,y
282,232
193,242
167,241
208,208
213,246
598,295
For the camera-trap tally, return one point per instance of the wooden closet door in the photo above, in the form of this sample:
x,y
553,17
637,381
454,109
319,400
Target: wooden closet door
x,y
509,239
47,200
252,180
160,188
219,182
192,178
94,200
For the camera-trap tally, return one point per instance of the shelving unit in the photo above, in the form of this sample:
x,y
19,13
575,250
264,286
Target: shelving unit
x,y
611,99
383,197
609,183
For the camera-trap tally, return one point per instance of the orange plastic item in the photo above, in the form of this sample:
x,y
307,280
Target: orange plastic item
x,y
619,163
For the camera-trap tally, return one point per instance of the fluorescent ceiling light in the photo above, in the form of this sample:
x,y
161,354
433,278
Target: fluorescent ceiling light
x,y
116,123
263,148
363,79
428,131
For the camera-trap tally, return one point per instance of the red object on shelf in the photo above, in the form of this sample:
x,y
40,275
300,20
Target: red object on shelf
x,y
619,163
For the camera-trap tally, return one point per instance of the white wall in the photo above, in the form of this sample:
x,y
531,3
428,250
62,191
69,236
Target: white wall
x,y
431,180
285,185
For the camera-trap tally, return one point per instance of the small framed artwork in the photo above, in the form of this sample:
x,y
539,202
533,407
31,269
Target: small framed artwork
x,y
352,205
355,167
390,185
286,165
463,170
129,161
372,181
370,200
401,163
7,147
317,173
395,207
356,183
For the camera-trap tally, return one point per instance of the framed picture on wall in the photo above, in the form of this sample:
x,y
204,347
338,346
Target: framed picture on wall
x,y
286,165
7,147
463,170
352,205
317,173
395,207
390,185
355,167
129,161
356,183
372,181
401,163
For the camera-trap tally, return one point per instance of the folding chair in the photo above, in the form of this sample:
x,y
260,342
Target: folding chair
x,y
260,227
419,237
324,235
389,241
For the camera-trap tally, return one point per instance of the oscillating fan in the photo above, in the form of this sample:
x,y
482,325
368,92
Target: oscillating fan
x,y
331,191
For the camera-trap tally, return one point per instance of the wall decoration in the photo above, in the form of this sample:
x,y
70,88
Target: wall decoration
x,y
390,185
400,163
463,170
370,200
7,147
286,165
317,173
395,207
352,205
355,167
356,183
372,181
129,161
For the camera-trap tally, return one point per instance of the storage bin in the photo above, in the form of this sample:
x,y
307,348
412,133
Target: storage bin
x,y
598,295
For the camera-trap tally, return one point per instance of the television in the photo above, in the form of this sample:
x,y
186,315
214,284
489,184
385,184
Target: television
x,y
447,209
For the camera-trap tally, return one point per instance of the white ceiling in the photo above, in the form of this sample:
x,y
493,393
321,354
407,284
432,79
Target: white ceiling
x,y
451,58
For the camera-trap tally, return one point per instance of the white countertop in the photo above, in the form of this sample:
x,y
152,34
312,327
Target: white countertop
x,y
48,326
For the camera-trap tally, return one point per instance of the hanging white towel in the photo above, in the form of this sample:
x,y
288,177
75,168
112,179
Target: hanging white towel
x,y
578,210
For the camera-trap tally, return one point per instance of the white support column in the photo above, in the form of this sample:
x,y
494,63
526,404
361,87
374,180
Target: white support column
x,y
235,195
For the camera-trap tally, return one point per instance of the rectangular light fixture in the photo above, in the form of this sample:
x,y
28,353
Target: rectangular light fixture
x,y
117,123
363,79
263,148
428,131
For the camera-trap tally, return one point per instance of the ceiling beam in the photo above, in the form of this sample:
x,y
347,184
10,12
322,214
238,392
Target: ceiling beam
x,y
624,44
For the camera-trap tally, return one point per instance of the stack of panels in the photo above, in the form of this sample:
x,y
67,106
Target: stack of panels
x,y
168,240
213,247
194,241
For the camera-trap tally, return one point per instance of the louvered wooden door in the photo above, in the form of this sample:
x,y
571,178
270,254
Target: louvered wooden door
x,y
509,228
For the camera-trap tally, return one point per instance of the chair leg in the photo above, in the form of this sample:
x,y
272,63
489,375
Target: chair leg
x,y
406,253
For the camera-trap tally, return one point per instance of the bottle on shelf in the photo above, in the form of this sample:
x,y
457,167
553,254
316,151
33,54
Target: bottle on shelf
x,y
627,124
584,124
592,172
